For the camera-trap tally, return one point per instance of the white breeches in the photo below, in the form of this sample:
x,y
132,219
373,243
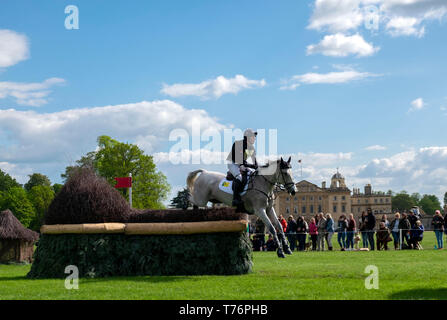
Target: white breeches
x,y
234,169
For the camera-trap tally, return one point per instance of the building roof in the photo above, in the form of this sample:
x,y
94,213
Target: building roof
x,y
12,229
337,176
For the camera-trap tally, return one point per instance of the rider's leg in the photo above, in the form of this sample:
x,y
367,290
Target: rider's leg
x,y
234,169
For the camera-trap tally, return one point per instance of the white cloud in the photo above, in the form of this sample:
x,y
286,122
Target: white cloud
x,y
417,104
375,148
33,94
14,48
42,137
339,45
336,77
400,17
214,88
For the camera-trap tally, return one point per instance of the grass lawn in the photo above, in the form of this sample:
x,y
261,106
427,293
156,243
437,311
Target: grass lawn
x,y
407,274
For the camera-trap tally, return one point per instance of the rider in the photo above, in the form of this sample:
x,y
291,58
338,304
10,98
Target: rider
x,y
240,152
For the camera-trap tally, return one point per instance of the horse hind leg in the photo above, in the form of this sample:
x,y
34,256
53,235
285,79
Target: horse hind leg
x,y
272,216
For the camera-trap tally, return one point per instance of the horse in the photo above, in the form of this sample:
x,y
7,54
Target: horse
x,y
258,197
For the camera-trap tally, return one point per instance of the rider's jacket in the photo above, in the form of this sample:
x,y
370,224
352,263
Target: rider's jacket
x,y
241,151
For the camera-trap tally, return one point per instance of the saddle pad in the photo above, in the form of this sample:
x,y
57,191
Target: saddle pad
x,y
227,186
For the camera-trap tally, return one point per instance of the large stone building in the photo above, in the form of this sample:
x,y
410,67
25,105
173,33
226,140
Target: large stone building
x,y
336,199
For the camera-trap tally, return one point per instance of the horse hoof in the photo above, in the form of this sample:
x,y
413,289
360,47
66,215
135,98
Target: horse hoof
x,y
287,251
281,254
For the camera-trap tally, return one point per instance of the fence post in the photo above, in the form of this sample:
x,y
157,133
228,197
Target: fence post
x,y
400,238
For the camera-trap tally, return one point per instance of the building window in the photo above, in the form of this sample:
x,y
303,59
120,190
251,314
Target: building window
x,y
343,198
287,210
287,199
296,198
295,210
319,208
304,209
366,201
343,209
358,209
335,198
311,198
387,200
335,209
319,198
311,209
381,200
375,200
303,198
358,201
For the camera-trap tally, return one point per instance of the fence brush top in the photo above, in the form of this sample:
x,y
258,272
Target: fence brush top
x,y
87,198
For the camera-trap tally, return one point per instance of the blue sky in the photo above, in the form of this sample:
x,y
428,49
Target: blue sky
x,y
372,102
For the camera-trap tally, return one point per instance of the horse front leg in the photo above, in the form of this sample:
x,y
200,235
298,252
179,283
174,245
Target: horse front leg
x,y
272,216
261,213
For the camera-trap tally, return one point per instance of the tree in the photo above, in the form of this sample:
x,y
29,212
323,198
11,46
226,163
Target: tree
x,y
117,159
430,203
37,179
87,161
40,197
416,197
57,187
181,201
16,200
7,182
402,201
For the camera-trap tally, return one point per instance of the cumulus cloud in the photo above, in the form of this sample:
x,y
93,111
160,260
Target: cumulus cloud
x,y
213,88
417,104
400,17
32,94
339,45
336,77
14,47
375,147
43,137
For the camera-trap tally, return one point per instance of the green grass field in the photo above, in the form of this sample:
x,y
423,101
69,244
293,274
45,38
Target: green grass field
x,y
407,274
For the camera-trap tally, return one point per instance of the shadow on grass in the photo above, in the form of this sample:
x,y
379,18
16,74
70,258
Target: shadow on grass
x,y
420,294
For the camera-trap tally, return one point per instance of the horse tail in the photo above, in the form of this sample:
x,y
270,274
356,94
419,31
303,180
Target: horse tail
x,y
191,179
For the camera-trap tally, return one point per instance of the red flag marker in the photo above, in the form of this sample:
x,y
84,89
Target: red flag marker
x,y
123,182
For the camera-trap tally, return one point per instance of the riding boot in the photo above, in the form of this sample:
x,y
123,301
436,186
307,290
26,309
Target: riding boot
x,y
237,201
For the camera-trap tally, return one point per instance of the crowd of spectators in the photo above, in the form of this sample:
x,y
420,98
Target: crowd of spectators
x,y
405,231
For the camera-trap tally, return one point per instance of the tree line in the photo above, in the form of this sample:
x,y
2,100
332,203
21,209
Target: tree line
x,y
429,203
111,159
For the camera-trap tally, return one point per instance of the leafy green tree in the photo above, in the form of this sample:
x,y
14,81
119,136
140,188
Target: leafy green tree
x,y
57,187
402,201
16,200
416,197
430,203
7,182
181,201
40,197
117,159
37,179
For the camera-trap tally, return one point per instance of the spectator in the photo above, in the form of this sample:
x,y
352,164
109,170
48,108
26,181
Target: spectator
x,y
270,244
256,243
438,225
329,230
417,233
383,236
405,226
302,229
362,228
313,231
291,232
370,226
260,232
394,227
283,223
342,226
412,218
385,219
321,225
350,233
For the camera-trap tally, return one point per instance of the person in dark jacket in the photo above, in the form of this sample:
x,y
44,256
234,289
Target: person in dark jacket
x,y
270,244
438,226
259,234
362,229
342,226
291,232
405,225
416,235
395,231
302,230
350,231
370,226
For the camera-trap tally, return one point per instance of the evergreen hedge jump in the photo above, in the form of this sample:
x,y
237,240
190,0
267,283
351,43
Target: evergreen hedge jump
x,y
90,225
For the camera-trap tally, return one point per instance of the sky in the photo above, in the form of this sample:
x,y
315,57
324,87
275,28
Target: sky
x,y
357,85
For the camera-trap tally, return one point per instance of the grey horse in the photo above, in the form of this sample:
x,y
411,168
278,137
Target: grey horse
x,y
257,200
